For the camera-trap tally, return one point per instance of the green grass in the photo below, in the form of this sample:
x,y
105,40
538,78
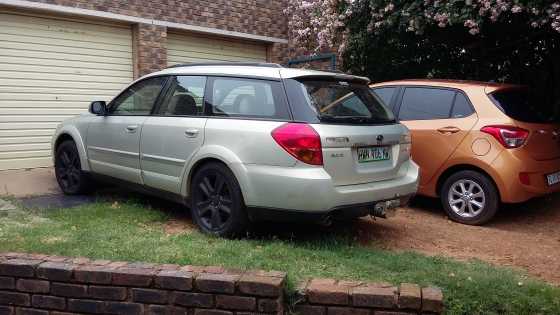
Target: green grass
x,y
135,232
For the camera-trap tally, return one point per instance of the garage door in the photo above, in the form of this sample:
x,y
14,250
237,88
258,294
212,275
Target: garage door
x,y
182,48
50,70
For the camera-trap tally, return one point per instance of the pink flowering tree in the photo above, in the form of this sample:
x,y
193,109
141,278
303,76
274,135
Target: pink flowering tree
x,y
323,24
515,41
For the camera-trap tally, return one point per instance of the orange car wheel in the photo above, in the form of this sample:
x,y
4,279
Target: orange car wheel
x,y
469,197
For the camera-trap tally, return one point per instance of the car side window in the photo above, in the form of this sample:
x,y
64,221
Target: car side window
x,y
138,99
462,107
426,103
385,94
185,98
252,98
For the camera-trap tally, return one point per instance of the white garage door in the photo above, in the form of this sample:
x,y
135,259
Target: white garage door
x,y
183,48
50,70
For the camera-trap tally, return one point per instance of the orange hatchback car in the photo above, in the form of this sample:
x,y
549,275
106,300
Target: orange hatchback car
x,y
478,144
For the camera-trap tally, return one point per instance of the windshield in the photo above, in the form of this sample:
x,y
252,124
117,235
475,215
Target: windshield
x,y
520,105
334,101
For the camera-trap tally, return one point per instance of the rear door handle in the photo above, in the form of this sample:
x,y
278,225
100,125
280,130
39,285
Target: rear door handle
x,y
191,133
131,128
448,130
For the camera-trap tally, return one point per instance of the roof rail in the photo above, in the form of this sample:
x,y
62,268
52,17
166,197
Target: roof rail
x,y
245,64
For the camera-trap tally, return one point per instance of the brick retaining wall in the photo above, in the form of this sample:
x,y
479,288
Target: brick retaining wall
x,y
331,297
41,285
52,285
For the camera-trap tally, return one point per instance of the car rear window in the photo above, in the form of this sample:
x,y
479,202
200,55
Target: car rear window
x,y
520,105
336,101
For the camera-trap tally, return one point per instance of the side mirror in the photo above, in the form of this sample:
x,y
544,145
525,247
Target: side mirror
x,y
98,108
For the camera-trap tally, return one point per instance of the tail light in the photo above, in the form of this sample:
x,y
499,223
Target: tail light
x,y
509,136
405,142
301,141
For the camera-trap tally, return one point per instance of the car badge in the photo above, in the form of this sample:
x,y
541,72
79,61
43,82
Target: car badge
x,y
379,139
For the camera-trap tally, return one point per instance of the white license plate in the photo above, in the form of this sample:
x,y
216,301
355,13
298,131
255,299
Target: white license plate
x,y
553,178
373,154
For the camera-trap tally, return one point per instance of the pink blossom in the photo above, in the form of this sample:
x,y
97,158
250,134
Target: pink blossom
x,y
322,24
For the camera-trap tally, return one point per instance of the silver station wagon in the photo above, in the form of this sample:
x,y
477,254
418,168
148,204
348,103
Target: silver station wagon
x,y
241,142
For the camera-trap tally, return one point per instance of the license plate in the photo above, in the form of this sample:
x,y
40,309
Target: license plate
x,y
553,178
373,154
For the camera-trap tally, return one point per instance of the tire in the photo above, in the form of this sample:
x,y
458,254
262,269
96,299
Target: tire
x,y
217,204
470,197
68,170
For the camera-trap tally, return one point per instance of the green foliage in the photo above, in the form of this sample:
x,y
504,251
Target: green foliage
x,y
507,50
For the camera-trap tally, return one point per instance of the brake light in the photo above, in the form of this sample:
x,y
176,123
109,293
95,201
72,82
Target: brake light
x,y
301,141
509,136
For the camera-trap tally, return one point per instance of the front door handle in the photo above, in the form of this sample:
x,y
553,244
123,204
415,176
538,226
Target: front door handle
x,y
448,130
191,133
131,128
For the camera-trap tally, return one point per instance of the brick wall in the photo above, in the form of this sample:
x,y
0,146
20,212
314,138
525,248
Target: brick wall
x,y
51,285
331,297
42,285
257,17
149,49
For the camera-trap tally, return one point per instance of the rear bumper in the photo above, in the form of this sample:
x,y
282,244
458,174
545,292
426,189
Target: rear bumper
x,y
310,189
508,166
344,212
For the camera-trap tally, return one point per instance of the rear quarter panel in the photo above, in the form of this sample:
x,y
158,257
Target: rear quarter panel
x,y
239,142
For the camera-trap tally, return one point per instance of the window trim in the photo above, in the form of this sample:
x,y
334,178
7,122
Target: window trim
x,y
164,87
208,97
399,101
165,97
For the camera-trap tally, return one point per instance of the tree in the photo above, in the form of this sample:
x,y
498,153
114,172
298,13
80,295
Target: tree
x,y
489,40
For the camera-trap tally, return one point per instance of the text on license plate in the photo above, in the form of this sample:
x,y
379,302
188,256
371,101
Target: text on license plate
x,y
372,154
553,178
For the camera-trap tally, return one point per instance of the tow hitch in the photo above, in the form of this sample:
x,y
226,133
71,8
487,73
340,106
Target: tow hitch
x,y
386,209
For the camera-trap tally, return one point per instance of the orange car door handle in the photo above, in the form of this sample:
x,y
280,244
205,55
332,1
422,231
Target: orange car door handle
x,y
449,129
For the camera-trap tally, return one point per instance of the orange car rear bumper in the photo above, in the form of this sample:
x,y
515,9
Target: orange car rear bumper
x,y
508,166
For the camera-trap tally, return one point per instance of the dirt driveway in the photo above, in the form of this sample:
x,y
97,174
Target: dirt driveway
x,y
525,235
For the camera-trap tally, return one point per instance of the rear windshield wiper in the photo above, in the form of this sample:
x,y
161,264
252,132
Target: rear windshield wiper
x,y
353,119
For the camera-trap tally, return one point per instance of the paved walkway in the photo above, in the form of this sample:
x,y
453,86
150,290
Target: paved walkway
x,y
22,183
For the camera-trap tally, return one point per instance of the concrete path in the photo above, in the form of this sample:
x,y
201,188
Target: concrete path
x,y
31,182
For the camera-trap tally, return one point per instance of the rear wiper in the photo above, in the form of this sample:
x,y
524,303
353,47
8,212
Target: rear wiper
x,y
354,119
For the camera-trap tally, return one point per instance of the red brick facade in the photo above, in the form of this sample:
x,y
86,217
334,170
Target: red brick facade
x,y
149,48
255,17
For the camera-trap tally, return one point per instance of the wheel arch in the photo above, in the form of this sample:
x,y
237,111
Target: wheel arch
x,y
218,155
69,132
464,167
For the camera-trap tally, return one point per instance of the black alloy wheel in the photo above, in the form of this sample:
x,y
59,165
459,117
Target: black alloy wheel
x,y
69,175
217,202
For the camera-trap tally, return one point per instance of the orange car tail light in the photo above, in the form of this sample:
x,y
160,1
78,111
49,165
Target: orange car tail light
x,y
509,136
301,141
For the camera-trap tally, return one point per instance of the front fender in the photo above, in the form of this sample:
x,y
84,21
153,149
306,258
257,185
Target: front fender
x,y
72,131
224,155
